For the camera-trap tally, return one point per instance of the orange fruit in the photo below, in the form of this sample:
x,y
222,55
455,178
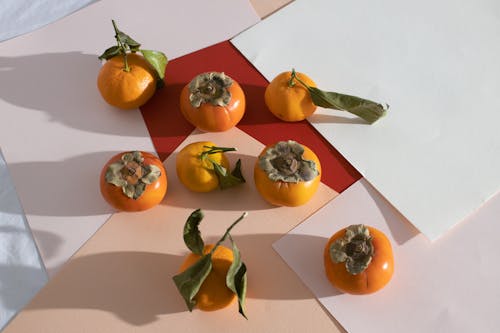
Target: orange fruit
x,y
290,103
373,278
213,294
126,90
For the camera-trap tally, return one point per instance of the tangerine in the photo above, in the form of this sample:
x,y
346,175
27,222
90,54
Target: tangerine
x,y
213,294
127,89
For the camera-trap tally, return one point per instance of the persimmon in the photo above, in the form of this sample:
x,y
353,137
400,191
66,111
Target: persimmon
x,y
359,260
133,181
213,293
213,102
203,167
287,173
127,80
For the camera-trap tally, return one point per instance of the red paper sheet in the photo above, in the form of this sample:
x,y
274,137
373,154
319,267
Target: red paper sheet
x,y
168,128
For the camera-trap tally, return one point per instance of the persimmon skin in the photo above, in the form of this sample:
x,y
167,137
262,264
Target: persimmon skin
x,y
280,193
151,197
376,276
290,103
214,118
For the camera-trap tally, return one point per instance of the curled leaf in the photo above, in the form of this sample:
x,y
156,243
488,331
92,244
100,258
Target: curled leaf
x,y
110,52
236,278
192,235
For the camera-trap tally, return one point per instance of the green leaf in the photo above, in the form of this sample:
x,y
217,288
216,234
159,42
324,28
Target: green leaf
x,y
226,180
189,282
110,52
127,40
158,60
192,235
236,278
363,108
237,171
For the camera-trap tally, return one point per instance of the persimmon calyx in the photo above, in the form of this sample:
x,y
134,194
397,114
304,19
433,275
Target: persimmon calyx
x,y
226,179
285,162
212,87
132,175
355,248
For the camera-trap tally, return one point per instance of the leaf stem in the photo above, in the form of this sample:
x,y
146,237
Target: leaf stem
x,y
223,238
122,47
214,150
291,82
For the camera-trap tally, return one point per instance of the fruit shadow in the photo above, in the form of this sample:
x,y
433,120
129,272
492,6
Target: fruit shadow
x,y
61,188
64,86
242,197
137,287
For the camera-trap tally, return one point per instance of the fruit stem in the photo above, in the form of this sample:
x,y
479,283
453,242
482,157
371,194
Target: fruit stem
x,y
122,47
291,82
223,238
214,150
294,76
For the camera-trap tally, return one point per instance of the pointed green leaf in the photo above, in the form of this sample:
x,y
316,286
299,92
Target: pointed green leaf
x,y
226,179
192,235
127,40
158,60
110,52
363,108
237,171
189,282
236,278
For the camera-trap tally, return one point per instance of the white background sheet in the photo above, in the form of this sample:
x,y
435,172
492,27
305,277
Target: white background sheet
x,y
446,286
436,155
57,132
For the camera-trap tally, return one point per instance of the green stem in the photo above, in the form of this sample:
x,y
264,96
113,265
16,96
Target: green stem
x,y
291,82
223,238
214,150
122,47
294,76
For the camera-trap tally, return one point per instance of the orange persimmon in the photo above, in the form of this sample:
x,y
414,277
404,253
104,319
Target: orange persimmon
x,y
133,181
359,260
287,173
213,102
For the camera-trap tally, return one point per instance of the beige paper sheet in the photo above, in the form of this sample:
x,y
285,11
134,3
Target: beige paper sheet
x,y
121,280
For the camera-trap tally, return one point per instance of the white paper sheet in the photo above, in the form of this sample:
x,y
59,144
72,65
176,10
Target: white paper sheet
x,y
22,272
56,130
446,286
436,155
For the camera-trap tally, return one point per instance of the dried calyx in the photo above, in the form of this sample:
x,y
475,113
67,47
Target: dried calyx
x,y
212,87
131,174
355,249
284,162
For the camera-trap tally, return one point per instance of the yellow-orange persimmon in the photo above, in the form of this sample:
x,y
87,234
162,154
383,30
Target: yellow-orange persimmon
x,y
372,273
133,181
289,100
213,102
213,294
287,173
126,89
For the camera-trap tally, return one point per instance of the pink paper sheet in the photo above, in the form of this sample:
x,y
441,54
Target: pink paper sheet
x,y
446,286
